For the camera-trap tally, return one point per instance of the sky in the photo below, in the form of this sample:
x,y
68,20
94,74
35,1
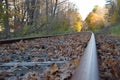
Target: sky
x,y
86,6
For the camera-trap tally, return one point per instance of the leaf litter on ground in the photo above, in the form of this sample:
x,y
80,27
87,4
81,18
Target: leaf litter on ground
x,y
57,48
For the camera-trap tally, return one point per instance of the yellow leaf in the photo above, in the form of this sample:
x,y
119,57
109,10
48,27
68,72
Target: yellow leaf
x,y
54,68
21,45
76,62
22,48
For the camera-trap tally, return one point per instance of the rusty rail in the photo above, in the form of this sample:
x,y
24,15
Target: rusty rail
x,y
5,41
88,67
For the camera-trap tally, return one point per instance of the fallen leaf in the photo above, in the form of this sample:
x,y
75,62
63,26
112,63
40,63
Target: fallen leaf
x,y
7,59
76,62
54,68
21,45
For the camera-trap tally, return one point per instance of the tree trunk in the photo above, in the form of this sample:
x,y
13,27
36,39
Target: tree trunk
x,y
36,14
6,21
30,10
47,17
47,10
55,8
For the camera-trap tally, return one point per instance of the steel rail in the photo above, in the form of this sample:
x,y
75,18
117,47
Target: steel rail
x,y
5,41
11,64
88,67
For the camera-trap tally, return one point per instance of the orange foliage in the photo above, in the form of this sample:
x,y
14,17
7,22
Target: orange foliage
x,y
95,21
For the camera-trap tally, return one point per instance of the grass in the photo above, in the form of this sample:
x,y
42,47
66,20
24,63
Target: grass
x,y
96,30
55,32
115,30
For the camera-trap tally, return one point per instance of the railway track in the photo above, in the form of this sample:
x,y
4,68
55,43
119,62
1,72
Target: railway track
x,y
88,67
64,64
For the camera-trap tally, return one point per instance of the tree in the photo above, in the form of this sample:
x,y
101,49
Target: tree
x,y
1,12
96,19
75,19
114,11
115,16
27,17
4,18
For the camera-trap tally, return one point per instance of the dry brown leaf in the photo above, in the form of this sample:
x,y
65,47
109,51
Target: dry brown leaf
x,y
51,78
7,59
109,61
114,72
65,75
4,74
76,62
21,45
54,68
22,48
33,77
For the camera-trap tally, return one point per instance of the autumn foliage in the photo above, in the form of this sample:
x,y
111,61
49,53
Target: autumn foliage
x,y
75,20
95,21
78,23
115,13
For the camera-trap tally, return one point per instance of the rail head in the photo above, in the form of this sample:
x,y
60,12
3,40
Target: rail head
x,y
12,40
88,67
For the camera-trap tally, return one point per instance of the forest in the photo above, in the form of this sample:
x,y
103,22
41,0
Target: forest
x,y
20,18
26,18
